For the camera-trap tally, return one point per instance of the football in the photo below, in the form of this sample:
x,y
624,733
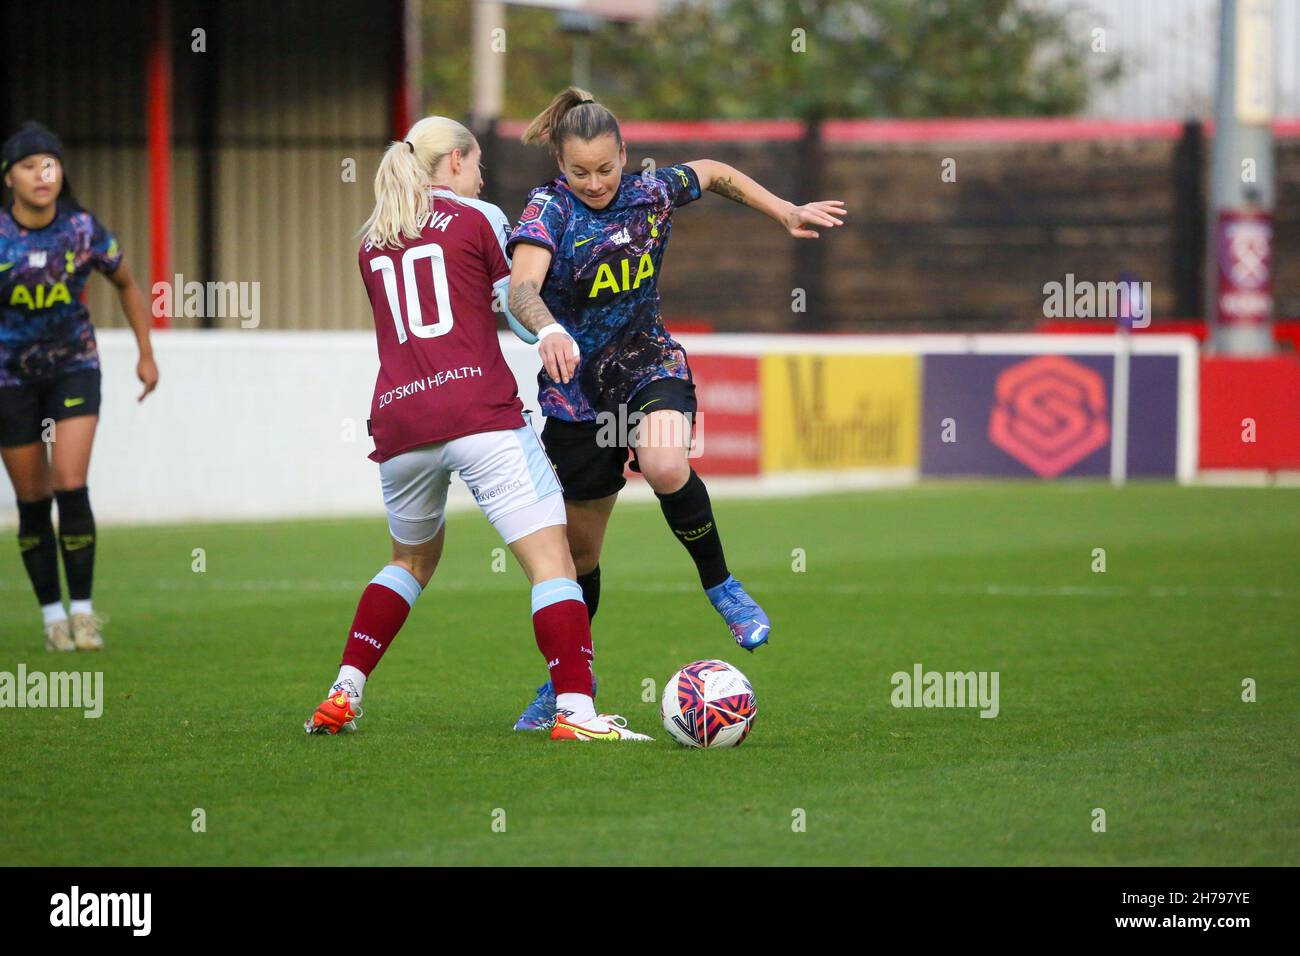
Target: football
x,y
708,704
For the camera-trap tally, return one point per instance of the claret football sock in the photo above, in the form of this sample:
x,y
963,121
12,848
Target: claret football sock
x,y
564,637
381,612
689,513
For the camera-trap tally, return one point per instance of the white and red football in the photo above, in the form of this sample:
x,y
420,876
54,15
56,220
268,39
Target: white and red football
x,y
708,704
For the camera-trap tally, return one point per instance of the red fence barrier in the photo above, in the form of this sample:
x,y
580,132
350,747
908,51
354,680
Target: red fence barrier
x,y
1286,332
1250,413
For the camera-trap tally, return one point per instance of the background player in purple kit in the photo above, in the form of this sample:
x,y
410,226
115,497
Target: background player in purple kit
x,y
587,254
49,374
445,401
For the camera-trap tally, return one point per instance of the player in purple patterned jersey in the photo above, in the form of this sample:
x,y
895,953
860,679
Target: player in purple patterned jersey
x,y
49,374
433,262
587,255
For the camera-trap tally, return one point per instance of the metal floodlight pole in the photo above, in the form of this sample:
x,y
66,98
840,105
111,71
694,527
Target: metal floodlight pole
x,y
579,18
160,80
1242,181
580,26
488,64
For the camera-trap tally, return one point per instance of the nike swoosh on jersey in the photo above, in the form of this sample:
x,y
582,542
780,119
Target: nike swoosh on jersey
x,y
6,265
649,403
582,242
73,402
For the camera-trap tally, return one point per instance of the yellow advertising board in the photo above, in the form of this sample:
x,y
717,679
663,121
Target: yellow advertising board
x,y
832,412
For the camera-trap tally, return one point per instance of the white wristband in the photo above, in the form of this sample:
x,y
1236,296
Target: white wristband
x,y
556,329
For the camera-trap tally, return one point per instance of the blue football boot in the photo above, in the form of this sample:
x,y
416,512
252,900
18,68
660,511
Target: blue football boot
x,y
749,625
540,714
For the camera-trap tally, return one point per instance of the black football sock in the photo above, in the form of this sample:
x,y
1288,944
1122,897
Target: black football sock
x,y
690,515
77,540
590,584
39,550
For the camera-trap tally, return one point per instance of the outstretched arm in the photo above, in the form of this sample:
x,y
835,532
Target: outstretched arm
x,y
559,353
730,183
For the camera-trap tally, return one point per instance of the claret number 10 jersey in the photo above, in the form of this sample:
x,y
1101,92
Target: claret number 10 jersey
x,y
441,371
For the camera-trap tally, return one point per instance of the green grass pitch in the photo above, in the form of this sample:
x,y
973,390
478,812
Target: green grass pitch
x,y
1119,690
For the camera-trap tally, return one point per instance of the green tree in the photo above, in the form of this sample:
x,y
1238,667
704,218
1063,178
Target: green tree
x,y
743,59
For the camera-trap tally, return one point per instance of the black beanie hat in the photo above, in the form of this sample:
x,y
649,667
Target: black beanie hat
x,y
32,138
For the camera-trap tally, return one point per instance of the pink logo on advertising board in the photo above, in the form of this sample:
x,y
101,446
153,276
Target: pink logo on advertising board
x,y
1049,413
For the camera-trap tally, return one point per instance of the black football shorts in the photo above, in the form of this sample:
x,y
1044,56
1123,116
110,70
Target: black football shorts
x,y
25,409
588,467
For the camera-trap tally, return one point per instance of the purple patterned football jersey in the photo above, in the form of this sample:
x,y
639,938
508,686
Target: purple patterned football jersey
x,y
603,286
45,328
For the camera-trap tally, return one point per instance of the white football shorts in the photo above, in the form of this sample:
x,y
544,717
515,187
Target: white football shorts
x,y
506,471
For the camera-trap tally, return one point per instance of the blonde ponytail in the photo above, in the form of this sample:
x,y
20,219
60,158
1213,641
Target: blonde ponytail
x,y
401,194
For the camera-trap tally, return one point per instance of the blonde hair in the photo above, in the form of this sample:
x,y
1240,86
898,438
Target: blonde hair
x,y
401,196
573,112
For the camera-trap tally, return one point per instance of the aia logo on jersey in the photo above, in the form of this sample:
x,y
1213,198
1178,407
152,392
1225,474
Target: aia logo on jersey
x,y
40,296
611,279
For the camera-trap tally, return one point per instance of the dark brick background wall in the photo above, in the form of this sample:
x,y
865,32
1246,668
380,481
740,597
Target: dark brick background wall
x,y
918,253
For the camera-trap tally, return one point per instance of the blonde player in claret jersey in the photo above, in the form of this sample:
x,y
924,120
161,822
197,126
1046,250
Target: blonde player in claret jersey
x,y
432,261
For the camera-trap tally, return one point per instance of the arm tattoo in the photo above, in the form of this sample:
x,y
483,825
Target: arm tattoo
x,y
725,188
527,307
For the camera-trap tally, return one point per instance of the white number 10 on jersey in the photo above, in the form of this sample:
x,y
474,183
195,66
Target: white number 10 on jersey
x,y
414,314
